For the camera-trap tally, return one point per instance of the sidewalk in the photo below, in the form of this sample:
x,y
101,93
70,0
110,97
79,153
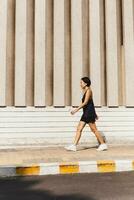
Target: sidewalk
x,y
53,160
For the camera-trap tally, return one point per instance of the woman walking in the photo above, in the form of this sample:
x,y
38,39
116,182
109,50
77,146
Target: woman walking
x,y
89,117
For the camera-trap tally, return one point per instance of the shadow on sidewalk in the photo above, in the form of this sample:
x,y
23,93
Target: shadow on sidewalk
x,y
87,147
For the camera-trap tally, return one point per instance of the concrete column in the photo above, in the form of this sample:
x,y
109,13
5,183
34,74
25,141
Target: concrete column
x,y
20,53
112,52
3,37
128,24
96,49
39,74
59,54
77,62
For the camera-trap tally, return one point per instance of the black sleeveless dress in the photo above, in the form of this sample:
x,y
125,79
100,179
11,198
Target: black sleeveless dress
x,y
89,114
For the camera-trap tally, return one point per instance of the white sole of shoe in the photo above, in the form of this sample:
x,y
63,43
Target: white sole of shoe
x,y
69,149
102,149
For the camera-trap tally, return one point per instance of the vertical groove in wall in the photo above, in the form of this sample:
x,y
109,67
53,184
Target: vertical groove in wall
x,y
49,53
102,52
122,66
67,52
121,21
105,55
10,53
120,77
85,37
30,54
123,97
133,15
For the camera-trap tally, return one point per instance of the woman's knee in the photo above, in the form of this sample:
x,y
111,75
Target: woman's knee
x,y
93,129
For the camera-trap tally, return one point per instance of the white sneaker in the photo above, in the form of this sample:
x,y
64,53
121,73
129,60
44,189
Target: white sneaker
x,y
102,147
104,138
71,148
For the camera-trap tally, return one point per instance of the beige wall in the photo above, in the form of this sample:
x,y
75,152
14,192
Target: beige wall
x,y
46,46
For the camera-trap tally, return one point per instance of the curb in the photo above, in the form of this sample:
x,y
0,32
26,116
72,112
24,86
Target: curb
x,y
100,166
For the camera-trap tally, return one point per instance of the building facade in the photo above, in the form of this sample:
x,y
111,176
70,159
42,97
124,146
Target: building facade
x,y
48,45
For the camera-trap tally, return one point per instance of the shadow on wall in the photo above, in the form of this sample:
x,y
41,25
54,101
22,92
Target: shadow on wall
x,y
35,188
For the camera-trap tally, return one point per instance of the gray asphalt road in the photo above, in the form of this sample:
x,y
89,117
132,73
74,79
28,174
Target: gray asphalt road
x,y
108,186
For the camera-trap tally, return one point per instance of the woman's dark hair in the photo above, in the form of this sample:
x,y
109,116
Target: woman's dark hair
x,y
86,80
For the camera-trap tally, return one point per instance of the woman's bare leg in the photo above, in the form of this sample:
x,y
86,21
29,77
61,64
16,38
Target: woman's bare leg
x,y
96,132
80,127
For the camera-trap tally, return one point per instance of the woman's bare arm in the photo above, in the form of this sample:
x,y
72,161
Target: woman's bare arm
x,y
87,97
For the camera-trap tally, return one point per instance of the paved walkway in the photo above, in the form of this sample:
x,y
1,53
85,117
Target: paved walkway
x,y
35,155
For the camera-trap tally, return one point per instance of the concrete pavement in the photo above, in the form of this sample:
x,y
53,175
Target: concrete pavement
x,y
55,160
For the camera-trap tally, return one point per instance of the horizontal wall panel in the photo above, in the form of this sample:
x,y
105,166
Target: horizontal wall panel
x,y
63,114
51,109
63,124
66,119
59,129
42,137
